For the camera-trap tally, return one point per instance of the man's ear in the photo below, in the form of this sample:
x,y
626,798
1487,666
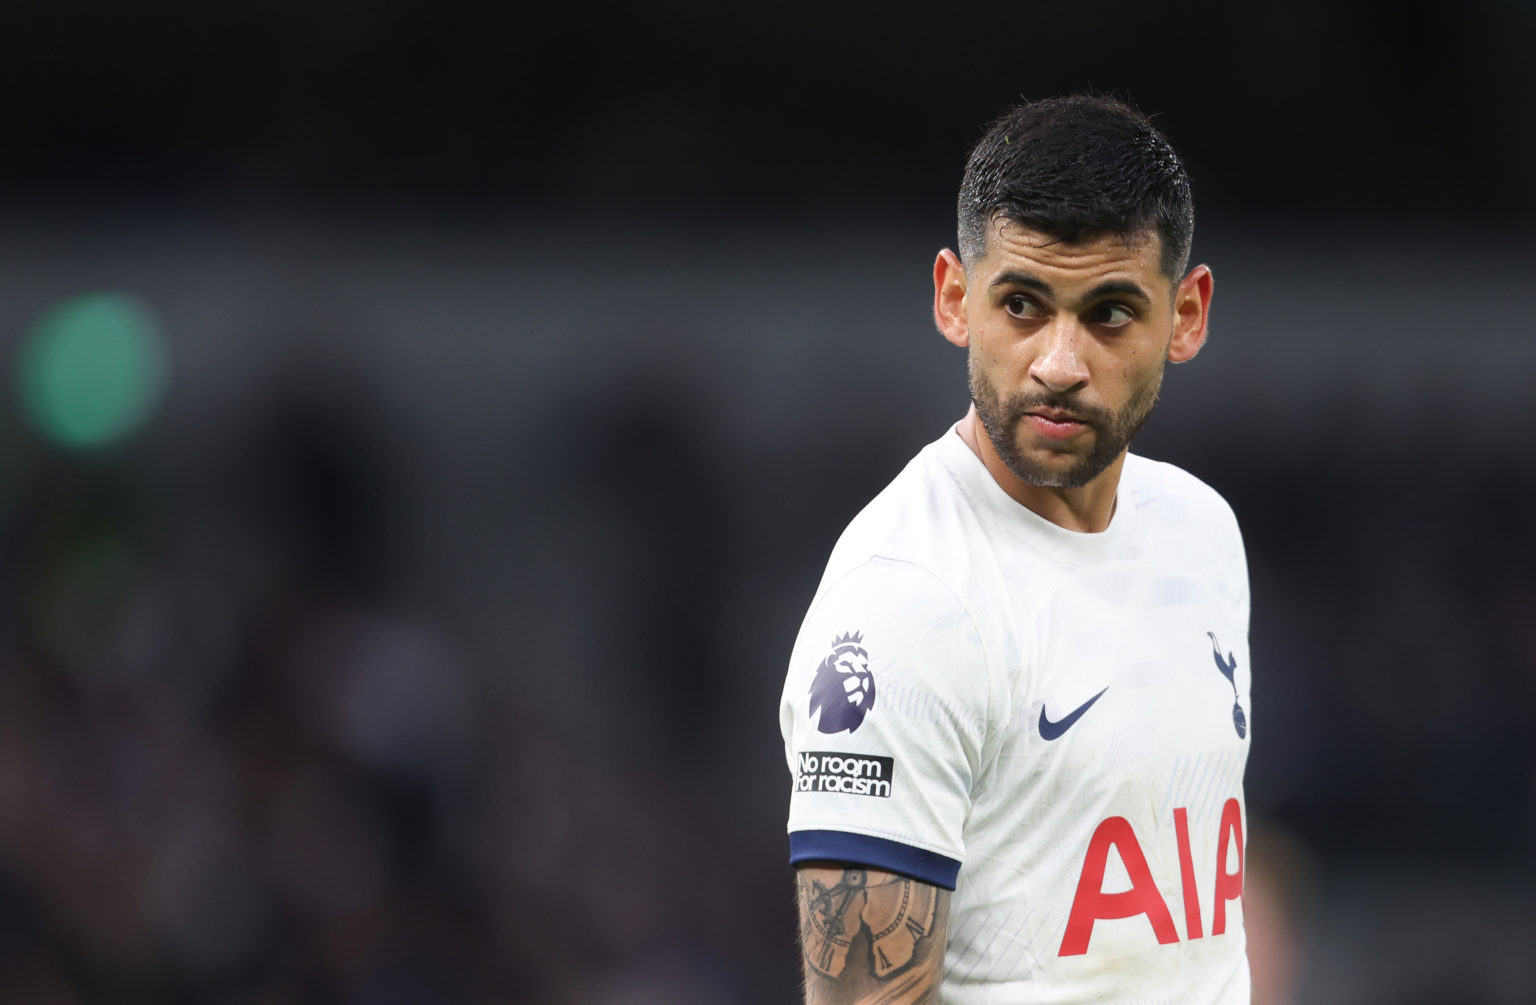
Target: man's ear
x,y
1191,314
949,286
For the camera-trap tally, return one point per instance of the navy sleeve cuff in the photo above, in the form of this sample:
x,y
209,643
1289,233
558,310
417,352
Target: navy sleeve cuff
x,y
877,853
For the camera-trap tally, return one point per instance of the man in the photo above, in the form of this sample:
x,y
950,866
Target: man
x,y
1016,714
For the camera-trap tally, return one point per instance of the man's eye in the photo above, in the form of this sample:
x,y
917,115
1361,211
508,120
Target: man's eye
x,y
1021,307
1113,315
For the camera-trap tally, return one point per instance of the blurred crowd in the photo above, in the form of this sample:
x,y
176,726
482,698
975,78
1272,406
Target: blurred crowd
x,y
237,764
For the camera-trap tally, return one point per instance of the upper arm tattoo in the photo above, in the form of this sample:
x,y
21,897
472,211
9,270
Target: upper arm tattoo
x,y
870,936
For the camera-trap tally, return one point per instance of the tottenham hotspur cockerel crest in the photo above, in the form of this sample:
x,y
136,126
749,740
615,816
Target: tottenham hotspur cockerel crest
x,y
843,689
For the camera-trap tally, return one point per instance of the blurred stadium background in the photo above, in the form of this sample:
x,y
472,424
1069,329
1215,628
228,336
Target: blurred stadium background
x,y
425,426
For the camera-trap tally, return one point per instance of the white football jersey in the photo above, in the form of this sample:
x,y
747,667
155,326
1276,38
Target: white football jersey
x,y
1052,724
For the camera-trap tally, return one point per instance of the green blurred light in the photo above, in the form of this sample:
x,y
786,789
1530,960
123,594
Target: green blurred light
x,y
92,369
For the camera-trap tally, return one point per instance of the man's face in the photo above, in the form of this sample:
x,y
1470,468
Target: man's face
x,y
1067,344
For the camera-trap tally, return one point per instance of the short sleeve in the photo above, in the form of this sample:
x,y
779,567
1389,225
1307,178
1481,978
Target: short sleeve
x,y
884,714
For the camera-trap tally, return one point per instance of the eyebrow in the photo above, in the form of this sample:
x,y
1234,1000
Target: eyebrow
x,y
1023,279
1118,287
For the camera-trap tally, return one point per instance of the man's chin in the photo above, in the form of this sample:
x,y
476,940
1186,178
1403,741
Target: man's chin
x,y
1055,471
1048,468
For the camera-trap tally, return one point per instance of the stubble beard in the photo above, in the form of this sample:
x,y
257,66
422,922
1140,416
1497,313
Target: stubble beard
x,y
1112,431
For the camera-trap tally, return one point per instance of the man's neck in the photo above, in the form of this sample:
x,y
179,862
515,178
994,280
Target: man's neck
x,y
1087,509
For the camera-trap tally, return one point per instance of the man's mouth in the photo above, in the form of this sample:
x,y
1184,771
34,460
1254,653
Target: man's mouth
x,y
1055,423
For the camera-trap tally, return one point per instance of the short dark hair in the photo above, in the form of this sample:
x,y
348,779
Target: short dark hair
x,y
1078,168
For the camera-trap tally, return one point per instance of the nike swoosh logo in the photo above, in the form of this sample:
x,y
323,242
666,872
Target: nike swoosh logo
x,y
1051,730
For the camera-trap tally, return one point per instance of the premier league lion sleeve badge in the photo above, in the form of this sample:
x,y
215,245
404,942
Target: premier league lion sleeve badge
x,y
843,688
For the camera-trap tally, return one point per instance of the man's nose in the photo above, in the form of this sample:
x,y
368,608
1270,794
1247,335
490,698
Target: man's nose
x,y
1060,366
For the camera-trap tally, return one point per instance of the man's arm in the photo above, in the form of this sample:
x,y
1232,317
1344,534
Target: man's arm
x,y
870,937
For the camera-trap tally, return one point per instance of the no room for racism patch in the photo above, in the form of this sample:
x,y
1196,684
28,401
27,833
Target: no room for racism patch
x,y
851,774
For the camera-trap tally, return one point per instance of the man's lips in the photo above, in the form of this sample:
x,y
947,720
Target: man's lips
x,y
1054,424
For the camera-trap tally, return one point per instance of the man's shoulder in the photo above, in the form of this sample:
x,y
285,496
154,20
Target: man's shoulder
x,y
1187,523
1167,492
920,517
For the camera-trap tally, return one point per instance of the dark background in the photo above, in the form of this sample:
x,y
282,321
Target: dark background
x,y
425,641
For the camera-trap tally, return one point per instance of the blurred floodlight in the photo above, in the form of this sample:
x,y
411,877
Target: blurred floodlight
x,y
92,369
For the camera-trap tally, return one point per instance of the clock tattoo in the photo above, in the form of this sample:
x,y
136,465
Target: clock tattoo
x,y
894,913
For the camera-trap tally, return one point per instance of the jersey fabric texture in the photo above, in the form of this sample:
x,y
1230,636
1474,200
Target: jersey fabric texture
x,y
1052,724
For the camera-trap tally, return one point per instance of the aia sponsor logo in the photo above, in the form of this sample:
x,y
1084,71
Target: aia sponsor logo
x,y
1091,904
843,688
